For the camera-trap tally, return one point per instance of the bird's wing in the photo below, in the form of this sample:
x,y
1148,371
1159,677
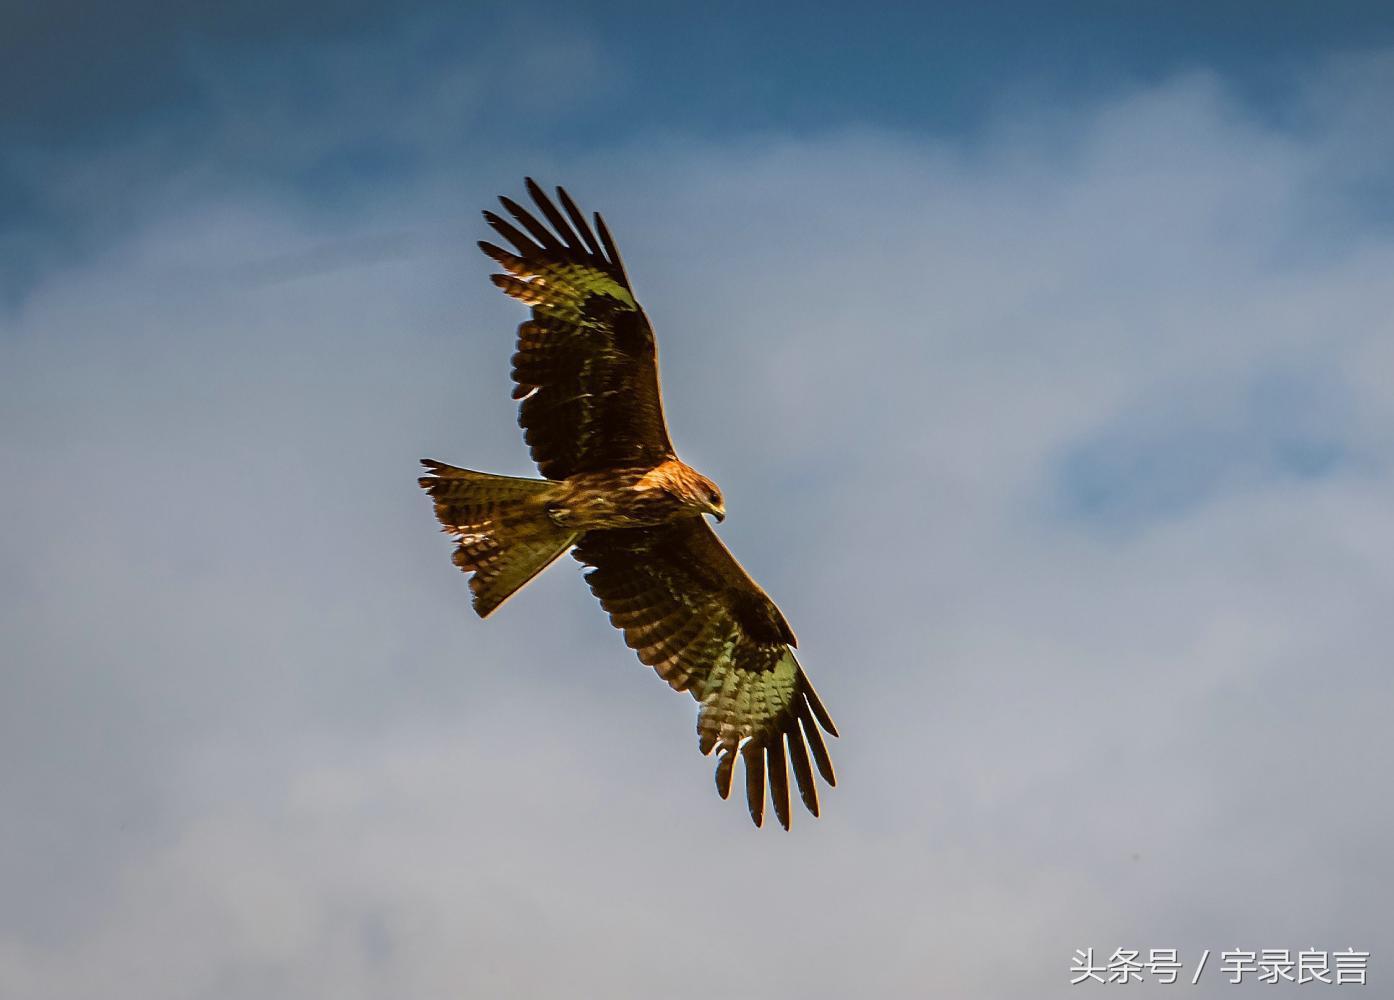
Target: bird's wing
x,y
586,367
694,615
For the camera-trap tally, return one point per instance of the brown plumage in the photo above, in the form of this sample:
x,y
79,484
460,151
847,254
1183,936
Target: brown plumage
x,y
586,370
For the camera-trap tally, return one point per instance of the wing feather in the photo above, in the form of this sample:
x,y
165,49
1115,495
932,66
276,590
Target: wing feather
x,y
524,246
692,613
539,232
586,366
803,770
753,754
608,243
777,770
555,218
578,219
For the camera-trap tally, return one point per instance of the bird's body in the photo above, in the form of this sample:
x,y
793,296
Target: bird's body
x,y
616,493
636,497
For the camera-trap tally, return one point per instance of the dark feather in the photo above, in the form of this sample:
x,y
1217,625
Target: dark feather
x,y
724,766
779,778
525,247
689,609
578,219
611,251
558,222
819,749
539,232
803,770
754,755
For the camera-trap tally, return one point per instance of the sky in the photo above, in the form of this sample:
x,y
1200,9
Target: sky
x,y
1041,353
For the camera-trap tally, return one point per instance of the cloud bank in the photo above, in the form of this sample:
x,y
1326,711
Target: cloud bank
x,y
1066,452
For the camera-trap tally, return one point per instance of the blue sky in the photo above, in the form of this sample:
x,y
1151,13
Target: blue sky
x,y
734,66
1041,352
176,73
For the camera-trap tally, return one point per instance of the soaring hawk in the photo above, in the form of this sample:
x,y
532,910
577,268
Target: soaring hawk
x,y
616,494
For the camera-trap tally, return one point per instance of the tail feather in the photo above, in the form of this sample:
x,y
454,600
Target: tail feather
x,y
500,523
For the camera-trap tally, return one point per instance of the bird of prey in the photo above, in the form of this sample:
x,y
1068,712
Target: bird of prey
x,y
616,494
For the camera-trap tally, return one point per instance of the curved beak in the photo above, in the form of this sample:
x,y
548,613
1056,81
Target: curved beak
x,y
719,513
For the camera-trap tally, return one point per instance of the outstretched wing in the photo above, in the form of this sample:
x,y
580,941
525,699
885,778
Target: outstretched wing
x,y
586,368
694,615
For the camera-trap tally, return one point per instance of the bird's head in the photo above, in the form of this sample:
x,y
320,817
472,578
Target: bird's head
x,y
709,498
696,492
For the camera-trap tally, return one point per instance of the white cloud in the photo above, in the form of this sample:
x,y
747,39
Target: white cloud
x,y
262,749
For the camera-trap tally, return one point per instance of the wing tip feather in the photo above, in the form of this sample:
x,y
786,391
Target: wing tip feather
x,y
753,755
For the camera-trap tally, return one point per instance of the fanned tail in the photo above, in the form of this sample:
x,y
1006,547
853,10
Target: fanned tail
x,y
504,535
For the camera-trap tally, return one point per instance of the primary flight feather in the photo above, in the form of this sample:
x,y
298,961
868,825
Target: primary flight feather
x,y
616,494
